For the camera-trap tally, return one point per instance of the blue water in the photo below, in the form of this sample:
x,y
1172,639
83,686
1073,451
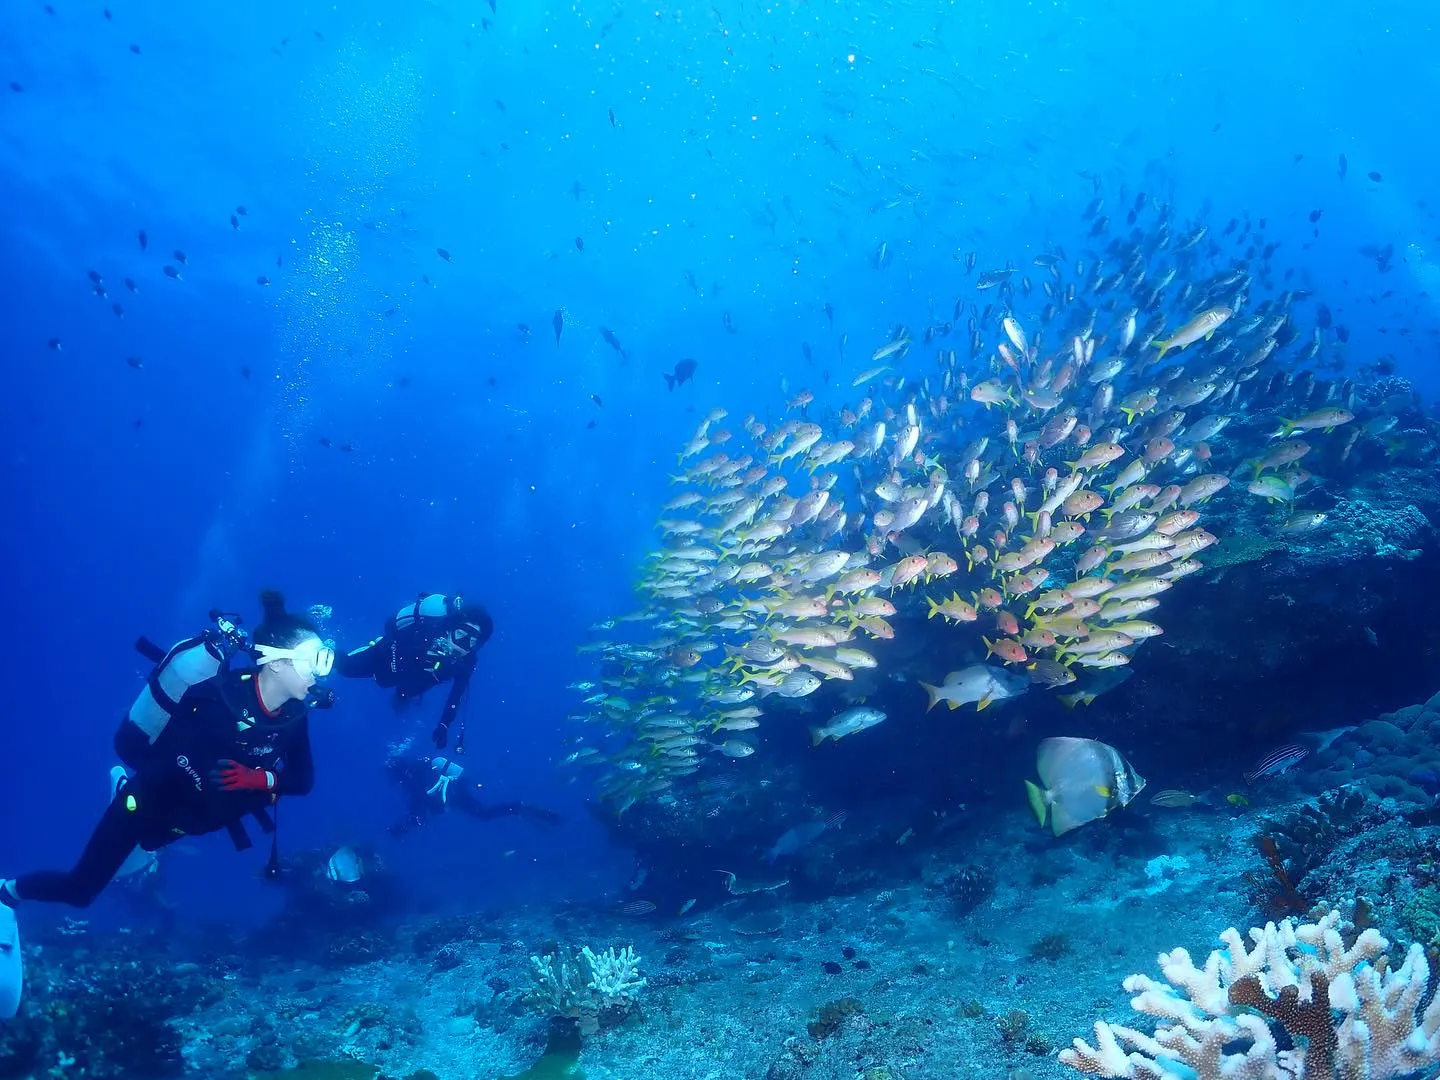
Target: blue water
x,y
763,152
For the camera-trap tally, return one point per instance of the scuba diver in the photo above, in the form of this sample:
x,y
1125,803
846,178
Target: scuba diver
x,y
206,746
433,785
431,641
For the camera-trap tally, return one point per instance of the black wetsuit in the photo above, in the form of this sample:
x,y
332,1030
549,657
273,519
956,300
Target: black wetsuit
x,y
172,793
430,650
417,779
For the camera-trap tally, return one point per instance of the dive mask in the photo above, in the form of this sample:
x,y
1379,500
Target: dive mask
x,y
312,658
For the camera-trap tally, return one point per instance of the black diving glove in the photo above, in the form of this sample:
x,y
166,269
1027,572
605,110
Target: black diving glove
x,y
321,697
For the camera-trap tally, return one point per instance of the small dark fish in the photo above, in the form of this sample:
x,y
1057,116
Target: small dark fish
x,y
805,348
54,343
579,243
279,261
492,6
134,362
829,314
558,322
523,330
577,189
99,289
135,49
242,211
106,13
119,311
490,382
1344,166
180,258
130,284
500,104
1341,333
403,382
728,321
1276,762
614,342
1315,215
94,275
1375,176
325,441
590,426
596,398
1322,317
262,280
1297,159
425,278
245,373
170,272
234,223
349,448
15,86
612,116
684,372
443,254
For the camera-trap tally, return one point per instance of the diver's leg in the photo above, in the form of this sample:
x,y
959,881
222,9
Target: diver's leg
x,y
116,835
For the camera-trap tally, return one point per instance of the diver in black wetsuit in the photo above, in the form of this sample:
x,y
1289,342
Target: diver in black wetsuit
x,y
229,747
433,785
431,641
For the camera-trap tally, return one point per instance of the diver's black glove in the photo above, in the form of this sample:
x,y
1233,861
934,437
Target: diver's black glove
x,y
321,697
441,735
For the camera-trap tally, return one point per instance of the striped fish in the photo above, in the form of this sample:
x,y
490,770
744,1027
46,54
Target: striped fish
x,y
1276,762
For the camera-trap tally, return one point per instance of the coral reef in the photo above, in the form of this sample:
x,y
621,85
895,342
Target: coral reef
x,y
596,990
1344,1011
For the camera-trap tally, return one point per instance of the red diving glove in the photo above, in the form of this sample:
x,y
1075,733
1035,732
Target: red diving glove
x,y
232,776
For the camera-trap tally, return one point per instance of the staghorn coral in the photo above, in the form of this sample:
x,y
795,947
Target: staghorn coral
x,y
1345,1013
594,989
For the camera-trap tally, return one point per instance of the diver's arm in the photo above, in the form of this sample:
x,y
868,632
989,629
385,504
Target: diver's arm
x,y
361,663
298,775
458,686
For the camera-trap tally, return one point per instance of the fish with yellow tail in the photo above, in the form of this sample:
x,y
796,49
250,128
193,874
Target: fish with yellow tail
x,y
1201,326
980,684
1084,779
1323,419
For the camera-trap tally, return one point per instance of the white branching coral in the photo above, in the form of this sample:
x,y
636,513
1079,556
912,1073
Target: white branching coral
x,y
1347,1015
614,977
589,987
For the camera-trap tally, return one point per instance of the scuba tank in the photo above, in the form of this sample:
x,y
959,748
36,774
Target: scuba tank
x,y
186,664
432,606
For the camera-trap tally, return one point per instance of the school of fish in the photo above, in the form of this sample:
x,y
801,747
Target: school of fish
x,y
1035,473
